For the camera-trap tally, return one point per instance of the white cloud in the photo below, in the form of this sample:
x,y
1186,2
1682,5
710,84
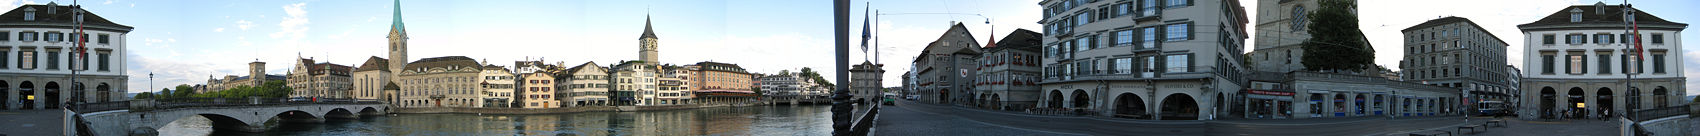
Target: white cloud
x,y
370,19
220,29
294,25
107,2
244,25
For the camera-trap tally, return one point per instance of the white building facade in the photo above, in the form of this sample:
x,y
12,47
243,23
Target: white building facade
x,y
1578,59
36,58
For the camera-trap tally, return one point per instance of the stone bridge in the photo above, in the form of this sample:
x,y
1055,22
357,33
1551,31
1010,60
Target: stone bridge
x,y
146,117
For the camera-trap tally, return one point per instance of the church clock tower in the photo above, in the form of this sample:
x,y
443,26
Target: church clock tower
x,y
398,43
646,44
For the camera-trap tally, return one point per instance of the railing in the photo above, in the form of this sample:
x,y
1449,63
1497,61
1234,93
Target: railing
x,y
151,104
866,122
104,106
1650,114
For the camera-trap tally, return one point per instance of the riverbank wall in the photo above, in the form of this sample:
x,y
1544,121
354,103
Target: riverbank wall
x,y
556,110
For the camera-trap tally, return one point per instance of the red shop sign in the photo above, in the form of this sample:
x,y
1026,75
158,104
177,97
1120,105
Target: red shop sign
x,y
1276,93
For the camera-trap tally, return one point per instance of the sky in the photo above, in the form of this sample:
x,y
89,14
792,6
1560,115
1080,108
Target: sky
x,y
188,41
185,42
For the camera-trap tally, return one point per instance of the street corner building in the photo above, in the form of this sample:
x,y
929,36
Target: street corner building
x,y
39,56
1585,59
322,80
1009,72
1145,59
1455,52
946,67
449,81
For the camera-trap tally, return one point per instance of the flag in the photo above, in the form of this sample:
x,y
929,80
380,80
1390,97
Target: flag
x,y
865,34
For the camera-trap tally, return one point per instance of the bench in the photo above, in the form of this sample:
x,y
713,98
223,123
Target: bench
x,y
1471,127
1501,123
1431,133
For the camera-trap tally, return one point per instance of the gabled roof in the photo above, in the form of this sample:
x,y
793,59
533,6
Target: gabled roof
x,y
586,65
955,31
1599,15
54,15
1020,39
374,63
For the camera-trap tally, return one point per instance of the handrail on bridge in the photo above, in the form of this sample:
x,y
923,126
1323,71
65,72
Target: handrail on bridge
x,y
150,104
1662,112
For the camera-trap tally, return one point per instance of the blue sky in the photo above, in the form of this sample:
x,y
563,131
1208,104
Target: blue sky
x,y
185,41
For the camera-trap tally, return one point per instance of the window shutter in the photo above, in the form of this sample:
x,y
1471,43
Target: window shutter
x,y
1188,2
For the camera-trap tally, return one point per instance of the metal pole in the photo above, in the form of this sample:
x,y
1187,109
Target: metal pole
x,y
841,95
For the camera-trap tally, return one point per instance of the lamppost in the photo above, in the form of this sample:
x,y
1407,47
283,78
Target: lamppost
x,y
150,81
841,94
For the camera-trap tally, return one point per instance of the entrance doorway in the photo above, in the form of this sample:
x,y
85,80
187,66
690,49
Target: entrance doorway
x,y
1128,105
1548,102
1179,107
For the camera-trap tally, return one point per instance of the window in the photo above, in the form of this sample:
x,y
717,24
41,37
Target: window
x,y
1178,63
82,64
1149,69
1123,38
1576,15
1083,67
29,14
1546,64
1122,66
1149,40
1658,63
1178,32
1147,7
1605,62
1123,9
1082,18
104,39
1298,18
53,60
55,36
1575,39
1658,38
4,58
27,36
1577,63
1179,3
1602,38
5,36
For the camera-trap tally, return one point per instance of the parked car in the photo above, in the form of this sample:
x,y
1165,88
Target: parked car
x,y
299,99
912,97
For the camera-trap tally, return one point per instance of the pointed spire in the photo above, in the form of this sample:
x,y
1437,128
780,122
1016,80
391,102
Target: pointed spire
x,y
396,24
992,37
647,31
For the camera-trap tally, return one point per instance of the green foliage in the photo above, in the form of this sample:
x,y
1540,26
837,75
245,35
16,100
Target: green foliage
x,y
1336,43
145,95
271,89
163,93
183,91
810,73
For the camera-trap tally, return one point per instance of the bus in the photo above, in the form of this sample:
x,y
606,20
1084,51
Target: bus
x,y
1490,108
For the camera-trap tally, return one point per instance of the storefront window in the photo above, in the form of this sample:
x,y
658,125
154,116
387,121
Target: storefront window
x,y
1316,105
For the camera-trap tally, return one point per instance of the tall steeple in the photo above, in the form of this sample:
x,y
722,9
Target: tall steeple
x,y
648,32
398,42
647,50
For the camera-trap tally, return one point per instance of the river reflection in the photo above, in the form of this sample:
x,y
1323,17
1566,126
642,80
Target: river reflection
x,y
761,120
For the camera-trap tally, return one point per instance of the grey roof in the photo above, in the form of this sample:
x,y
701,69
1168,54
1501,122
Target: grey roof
x,y
647,31
58,16
1020,39
1450,20
374,63
1601,15
461,61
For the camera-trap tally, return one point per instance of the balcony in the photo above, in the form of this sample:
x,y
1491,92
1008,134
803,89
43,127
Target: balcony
x,y
1148,14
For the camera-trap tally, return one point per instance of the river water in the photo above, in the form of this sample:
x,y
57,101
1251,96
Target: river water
x,y
758,120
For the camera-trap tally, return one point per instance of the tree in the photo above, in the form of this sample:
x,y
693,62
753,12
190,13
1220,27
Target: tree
x,y
164,93
145,95
184,91
1336,43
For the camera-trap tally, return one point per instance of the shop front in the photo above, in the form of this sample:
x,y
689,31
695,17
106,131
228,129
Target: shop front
x,y
1268,104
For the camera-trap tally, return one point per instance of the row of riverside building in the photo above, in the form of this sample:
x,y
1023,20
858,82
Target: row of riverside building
x,y
459,81
1185,60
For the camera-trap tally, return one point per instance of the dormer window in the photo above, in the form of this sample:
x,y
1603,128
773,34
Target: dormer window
x,y
1575,15
29,14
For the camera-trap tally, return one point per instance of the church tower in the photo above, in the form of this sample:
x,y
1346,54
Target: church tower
x,y
398,42
646,44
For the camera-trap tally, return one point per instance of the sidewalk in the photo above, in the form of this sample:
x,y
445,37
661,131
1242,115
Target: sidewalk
x,y
32,122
